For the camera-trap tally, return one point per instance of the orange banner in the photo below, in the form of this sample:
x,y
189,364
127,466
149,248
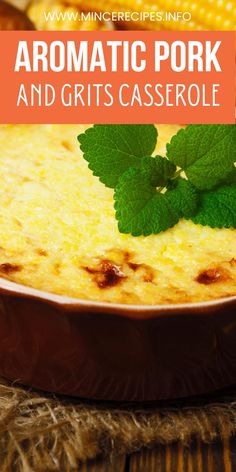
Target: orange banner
x,y
117,77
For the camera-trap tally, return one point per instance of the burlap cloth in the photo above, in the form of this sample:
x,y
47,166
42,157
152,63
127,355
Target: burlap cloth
x,y
40,432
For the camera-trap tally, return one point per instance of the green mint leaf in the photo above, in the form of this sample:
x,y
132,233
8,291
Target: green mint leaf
x,y
183,197
218,208
231,177
158,170
205,152
140,208
112,149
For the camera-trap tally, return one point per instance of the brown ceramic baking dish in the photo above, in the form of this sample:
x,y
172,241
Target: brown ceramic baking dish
x,y
110,351
115,352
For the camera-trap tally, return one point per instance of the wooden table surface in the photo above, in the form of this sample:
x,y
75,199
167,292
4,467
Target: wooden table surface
x,y
218,457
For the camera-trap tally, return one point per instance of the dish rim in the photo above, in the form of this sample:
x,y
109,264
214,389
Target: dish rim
x,y
72,304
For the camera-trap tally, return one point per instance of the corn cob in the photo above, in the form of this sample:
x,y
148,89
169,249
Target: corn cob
x,y
206,14
65,18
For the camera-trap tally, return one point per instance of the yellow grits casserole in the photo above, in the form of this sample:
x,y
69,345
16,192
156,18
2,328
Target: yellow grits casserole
x,y
58,230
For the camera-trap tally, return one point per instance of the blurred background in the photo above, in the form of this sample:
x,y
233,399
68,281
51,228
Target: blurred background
x,y
64,14
204,14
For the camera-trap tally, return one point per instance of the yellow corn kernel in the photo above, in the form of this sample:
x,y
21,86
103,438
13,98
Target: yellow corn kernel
x,y
206,14
50,16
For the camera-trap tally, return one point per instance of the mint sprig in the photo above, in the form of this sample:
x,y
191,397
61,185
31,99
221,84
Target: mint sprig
x,y
217,208
231,178
183,197
196,180
157,170
112,149
140,208
205,152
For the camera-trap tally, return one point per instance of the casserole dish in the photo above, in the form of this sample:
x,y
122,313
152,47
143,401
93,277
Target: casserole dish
x,y
144,329
115,352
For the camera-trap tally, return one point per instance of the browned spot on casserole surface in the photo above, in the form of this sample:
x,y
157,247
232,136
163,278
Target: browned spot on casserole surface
x,y
233,262
213,275
148,273
8,268
107,274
